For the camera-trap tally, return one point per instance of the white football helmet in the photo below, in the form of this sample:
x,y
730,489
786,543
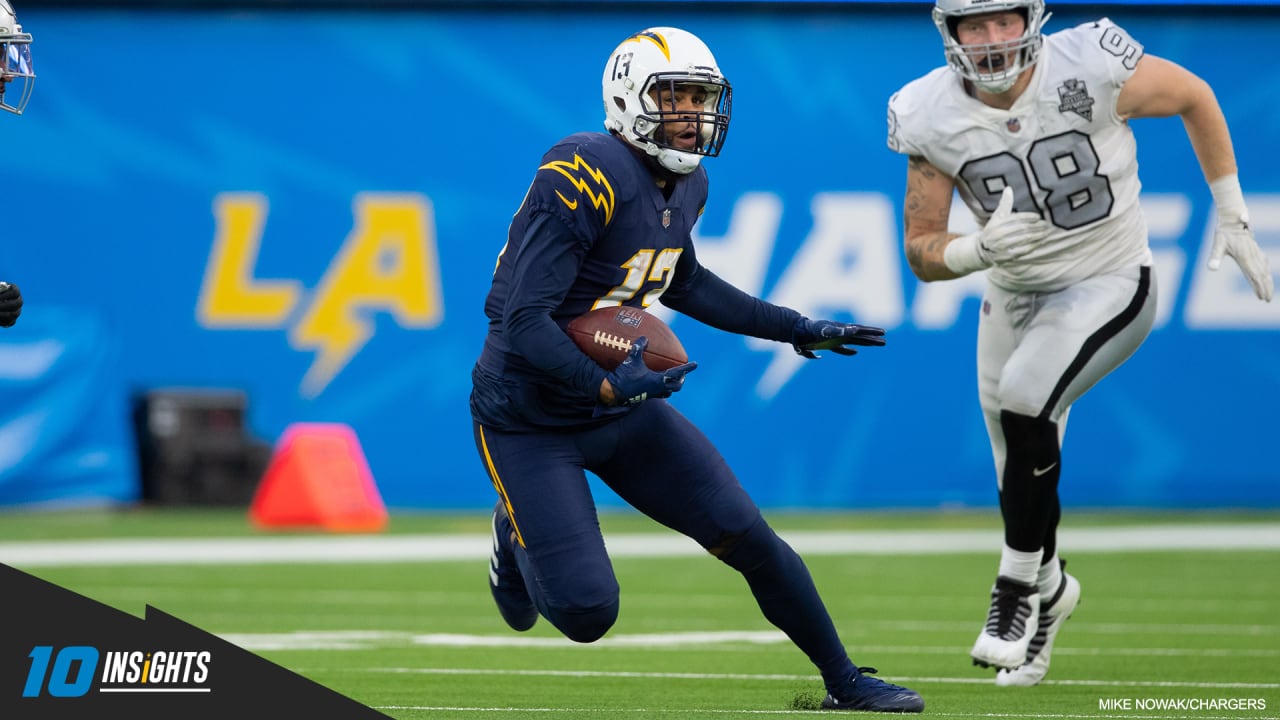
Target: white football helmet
x,y
666,58
964,58
17,73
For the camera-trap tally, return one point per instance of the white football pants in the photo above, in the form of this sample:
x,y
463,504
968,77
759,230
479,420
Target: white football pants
x,y
1040,351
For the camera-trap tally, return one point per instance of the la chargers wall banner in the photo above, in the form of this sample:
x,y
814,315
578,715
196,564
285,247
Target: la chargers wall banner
x,y
64,656
329,254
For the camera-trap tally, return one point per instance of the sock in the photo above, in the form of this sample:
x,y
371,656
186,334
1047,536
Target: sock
x,y
1049,577
1020,566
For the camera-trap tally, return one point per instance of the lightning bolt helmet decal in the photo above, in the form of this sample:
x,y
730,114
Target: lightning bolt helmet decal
x,y
655,38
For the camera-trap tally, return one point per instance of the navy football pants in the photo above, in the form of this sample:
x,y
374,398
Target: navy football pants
x,y
661,464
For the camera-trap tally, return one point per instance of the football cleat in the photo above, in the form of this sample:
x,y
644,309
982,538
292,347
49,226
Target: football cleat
x,y
870,694
1052,615
505,581
1012,622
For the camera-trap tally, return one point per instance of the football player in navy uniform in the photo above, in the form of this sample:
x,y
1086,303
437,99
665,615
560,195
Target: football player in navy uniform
x,y
1033,134
607,222
16,78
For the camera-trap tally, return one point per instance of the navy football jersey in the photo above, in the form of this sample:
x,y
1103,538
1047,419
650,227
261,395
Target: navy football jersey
x,y
594,231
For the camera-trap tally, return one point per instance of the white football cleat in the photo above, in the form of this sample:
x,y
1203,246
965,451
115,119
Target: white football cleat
x,y
1052,615
1012,622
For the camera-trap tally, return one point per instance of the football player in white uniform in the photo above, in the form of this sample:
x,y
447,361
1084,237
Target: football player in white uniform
x,y
1032,132
15,72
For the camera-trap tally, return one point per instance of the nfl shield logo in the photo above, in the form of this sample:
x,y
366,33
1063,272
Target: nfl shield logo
x,y
666,218
1013,125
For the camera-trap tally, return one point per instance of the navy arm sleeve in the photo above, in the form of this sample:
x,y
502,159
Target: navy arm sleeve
x,y
546,266
707,298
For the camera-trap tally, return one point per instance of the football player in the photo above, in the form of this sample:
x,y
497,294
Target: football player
x,y
1032,131
607,222
16,79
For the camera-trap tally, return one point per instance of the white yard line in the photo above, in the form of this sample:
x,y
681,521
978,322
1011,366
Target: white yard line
x,y
429,548
382,639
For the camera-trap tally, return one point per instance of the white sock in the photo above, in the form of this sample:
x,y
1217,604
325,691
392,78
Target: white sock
x,y
1049,577
1020,566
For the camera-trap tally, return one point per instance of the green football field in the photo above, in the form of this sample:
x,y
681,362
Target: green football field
x,y
1192,632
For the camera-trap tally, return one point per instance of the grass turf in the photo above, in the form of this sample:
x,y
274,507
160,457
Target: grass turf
x,y
421,640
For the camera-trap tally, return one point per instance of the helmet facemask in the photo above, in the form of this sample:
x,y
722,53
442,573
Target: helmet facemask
x,y
992,67
669,123
17,75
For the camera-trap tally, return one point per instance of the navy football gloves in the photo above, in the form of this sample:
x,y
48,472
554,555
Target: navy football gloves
x,y
809,335
10,304
633,382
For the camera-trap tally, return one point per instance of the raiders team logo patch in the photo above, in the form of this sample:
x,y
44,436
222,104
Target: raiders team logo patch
x,y
666,218
1075,98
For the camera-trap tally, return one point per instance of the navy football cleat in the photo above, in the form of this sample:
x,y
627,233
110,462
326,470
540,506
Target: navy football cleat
x,y
870,694
505,581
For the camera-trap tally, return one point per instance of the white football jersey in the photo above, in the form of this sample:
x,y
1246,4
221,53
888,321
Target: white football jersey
x,y
1061,147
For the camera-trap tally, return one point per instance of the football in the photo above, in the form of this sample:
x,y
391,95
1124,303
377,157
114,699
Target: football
x,y
606,334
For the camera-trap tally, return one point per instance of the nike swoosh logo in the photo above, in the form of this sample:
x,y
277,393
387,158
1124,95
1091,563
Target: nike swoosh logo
x,y
573,204
1037,472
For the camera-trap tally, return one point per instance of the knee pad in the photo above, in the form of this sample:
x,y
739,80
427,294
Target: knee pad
x,y
583,607
750,549
585,626
1031,445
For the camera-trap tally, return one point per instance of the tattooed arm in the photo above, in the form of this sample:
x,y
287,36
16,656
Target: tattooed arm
x,y
924,220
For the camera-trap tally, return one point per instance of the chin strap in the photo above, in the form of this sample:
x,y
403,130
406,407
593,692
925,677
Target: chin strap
x,y
649,156
661,173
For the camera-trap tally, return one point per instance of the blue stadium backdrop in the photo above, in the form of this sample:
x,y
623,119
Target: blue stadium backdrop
x,y
307,206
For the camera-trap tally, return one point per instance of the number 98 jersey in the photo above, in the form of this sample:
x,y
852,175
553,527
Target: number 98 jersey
x,y
1062,148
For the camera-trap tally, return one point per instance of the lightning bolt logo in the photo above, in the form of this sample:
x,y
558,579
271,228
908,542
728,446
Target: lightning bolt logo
x,y
387,264
654,38
590,182
335,332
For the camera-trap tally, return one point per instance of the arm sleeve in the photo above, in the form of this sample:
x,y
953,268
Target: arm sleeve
x,y
707,298
545,269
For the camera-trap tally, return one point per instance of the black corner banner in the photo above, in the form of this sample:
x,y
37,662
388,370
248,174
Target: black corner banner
x,y
64,656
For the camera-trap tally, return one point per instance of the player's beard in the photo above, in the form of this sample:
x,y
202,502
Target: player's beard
x,y
671,139
667,178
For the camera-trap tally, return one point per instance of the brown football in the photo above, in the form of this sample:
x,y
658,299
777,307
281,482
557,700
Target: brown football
x,y
606,334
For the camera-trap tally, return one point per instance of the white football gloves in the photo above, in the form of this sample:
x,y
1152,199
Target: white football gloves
x,y
1234,237
1006,237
